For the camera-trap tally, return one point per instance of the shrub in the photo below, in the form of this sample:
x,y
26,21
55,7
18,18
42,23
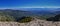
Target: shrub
x,y
56,18
25,19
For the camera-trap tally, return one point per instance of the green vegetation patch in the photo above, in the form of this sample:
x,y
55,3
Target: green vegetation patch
x,y
25,20
7,18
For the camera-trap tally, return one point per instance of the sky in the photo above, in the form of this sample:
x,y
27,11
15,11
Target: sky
x,y
29,3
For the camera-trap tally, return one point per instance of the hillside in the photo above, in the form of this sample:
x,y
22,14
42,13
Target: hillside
x,y
35,22
44,13
8,19
15,13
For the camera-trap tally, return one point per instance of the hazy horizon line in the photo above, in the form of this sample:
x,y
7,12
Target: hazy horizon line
x,y
26,7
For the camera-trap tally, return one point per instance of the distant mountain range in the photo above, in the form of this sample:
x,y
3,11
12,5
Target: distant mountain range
x,y
32,12
37,9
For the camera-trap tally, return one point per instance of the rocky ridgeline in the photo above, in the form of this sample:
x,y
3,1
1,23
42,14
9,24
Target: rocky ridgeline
x,y
35,22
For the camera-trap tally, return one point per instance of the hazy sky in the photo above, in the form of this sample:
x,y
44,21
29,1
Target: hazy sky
x,y
29,3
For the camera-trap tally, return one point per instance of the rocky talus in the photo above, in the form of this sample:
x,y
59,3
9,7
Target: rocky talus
x,y
35,22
